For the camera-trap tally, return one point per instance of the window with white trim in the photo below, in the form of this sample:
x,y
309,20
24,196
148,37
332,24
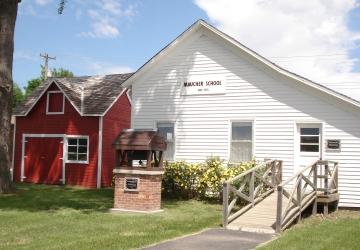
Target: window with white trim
x,y
166,129
55,102
77,149
309,139
241,142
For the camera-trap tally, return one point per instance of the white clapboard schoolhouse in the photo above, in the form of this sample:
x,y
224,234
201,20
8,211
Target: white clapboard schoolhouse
x,y
209,95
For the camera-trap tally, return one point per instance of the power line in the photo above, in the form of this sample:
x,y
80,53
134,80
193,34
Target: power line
x,y
47,58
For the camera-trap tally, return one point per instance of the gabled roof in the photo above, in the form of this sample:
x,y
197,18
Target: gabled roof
x,y
130,139
90,95
201,24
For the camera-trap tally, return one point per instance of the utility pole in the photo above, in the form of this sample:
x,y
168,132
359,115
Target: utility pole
x,y
47,58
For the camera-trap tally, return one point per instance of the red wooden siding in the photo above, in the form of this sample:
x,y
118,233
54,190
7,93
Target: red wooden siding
x,y
55,102
70,123
43,164
115,120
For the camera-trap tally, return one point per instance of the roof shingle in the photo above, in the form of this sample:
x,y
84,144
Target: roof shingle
x,y
90,95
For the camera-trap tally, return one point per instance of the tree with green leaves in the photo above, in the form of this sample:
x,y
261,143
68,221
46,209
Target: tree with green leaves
x,y
8,14
18,95
34,83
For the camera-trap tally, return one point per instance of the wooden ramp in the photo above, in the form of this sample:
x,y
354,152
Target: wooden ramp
x,y
271,204
261,218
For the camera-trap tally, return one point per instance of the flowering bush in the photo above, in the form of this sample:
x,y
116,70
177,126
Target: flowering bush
x,y
181,179
200,180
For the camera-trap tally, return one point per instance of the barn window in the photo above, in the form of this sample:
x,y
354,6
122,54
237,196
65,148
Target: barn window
x,y
166,129
55,102
78,149
241,142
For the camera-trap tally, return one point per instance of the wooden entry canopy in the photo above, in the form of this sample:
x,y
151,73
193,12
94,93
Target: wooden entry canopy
x,y
139,148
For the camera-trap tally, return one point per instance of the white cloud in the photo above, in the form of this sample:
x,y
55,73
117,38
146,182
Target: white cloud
x,y
104,68
290,32
101,29
105,17
26,9
43,2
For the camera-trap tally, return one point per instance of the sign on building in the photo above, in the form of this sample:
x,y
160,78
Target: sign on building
x,y
203,85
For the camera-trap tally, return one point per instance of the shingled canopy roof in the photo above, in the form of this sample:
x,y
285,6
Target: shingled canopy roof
x,y
130,139
90,95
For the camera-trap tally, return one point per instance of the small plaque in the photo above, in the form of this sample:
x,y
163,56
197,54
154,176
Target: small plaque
x,y
333,145
131,184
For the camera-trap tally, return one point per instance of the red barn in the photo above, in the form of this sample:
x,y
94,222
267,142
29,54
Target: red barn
x,y
65,129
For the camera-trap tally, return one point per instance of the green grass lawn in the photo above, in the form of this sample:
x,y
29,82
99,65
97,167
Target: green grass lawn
x,y
50,217
340,230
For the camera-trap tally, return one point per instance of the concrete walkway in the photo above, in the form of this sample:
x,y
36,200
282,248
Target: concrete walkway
x,y
213,239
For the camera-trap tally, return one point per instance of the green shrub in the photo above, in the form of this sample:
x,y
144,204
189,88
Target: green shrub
x,y
200,180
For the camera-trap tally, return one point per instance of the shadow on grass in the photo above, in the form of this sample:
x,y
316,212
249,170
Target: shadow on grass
x,y
32,197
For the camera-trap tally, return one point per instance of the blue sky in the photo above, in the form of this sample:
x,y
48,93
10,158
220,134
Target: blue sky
x,y
115,36
152,25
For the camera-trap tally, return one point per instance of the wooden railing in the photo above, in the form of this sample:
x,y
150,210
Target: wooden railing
x,y
250,187
302,189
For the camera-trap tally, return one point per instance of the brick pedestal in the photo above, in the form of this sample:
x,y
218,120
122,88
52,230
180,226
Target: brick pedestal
x,y
147,196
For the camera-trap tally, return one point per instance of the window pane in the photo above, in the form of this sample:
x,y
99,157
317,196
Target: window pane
x,y
82,149
83,142
309,148
72,141
240,151
72,157
166,130
82,157
309,139
241,131
309,131
72,149
169,153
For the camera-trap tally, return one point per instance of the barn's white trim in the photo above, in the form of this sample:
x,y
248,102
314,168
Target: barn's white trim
x,y
128,96
100,142
47,103
43,92
112,104
13,152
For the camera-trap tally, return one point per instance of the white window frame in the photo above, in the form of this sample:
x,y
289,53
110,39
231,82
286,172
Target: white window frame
x,y
296,135
307,143
67,145
252,122
174,136
47,102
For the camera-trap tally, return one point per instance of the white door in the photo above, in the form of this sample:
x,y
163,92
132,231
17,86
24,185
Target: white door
x,y
309,137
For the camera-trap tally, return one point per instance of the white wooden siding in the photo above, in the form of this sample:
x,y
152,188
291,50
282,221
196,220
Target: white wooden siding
x,y
203,121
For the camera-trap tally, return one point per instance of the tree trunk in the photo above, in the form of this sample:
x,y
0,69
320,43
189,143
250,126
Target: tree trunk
x,y
8,13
